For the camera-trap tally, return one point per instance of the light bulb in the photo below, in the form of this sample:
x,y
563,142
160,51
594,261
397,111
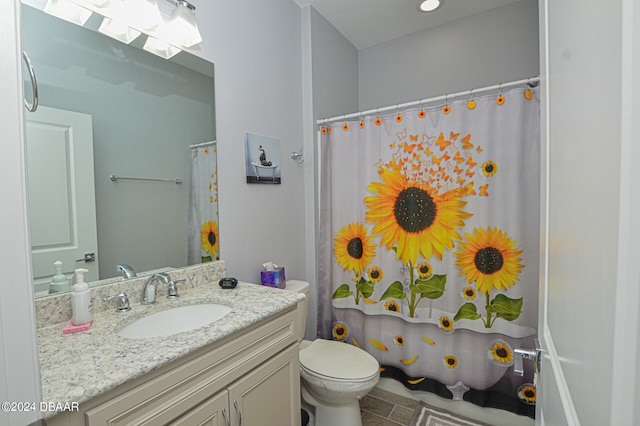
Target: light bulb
x,y
118,30
91,4
160,48
182,29
429,5
68,11
143,14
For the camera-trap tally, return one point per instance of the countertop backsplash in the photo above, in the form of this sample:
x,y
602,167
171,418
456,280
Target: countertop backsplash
x,y
56,309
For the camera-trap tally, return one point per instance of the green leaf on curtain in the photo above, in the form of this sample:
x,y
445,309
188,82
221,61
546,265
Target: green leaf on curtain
x,y
505,307
467,311
432,287
365,288
395,291
342,292
206,259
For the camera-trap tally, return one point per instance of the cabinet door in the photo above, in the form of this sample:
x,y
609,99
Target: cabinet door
x,y
212,412
270,394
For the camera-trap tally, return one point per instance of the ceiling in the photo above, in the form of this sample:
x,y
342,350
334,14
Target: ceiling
x,y
366,23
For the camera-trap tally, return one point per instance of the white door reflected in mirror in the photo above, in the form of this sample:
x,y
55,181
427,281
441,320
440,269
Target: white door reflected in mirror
x,y
62,207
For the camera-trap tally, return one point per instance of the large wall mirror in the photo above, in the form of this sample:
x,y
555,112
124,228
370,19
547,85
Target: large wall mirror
x,y
107,108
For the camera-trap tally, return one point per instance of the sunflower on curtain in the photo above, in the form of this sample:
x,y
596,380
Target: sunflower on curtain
x,y
203,240
433,222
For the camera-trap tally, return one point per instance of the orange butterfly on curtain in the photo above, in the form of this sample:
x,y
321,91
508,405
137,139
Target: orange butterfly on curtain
x,y
466,142
442,143
409,148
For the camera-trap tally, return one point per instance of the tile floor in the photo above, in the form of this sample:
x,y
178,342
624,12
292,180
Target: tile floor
x,y
384,408
391,404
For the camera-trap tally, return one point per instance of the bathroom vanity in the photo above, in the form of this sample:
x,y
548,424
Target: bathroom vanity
x,y
242,369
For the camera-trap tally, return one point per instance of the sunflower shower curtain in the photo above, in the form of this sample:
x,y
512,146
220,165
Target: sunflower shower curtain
x,y
430,243
203,245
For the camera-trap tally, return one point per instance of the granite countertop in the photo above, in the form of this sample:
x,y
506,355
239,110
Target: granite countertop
x,y
79,366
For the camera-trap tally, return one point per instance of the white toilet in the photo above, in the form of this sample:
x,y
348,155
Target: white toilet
x,y
335,375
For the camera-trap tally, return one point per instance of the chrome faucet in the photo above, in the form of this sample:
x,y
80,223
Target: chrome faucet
x,y
126,270
149,287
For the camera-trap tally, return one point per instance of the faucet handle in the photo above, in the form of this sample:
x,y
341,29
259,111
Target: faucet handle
x,y
122,302
172,292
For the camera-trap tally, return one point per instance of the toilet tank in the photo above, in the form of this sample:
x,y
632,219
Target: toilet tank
x,y
303,306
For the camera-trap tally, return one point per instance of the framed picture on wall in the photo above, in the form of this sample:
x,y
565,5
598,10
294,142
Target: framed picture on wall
x,y
262,158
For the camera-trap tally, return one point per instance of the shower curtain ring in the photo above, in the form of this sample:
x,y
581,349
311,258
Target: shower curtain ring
x,y
378,120
345,125
471,104
446,108
398,115
422,113
500,98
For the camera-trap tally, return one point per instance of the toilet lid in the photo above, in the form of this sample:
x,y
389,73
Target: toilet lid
x,y
338,360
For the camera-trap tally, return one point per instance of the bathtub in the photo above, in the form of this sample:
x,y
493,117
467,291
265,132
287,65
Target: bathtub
x,y
460,359
264,171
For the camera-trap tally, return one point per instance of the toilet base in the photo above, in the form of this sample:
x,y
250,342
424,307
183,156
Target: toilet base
x,y
304,417
335,414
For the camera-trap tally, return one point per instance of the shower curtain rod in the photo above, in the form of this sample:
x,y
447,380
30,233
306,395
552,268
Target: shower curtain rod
x,y
198,145
429,100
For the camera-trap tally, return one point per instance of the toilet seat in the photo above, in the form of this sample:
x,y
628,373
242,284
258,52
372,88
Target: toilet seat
x,y
338,361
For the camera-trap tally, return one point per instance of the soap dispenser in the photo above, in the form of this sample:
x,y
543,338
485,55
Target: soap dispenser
x,y
81,303
59,281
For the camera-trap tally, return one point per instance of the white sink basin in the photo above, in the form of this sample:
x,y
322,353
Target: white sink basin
x,y
176,320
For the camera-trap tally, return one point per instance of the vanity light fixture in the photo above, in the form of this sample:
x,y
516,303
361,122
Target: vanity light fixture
x,y
64,9
118,30
182,28
125,20
160,48
429,5
92,4
143,15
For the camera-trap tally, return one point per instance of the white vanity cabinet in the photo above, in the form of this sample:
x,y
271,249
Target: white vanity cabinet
x,y
249,378
255,399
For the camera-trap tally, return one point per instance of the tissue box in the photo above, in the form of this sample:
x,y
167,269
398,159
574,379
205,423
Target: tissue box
x,y
273,278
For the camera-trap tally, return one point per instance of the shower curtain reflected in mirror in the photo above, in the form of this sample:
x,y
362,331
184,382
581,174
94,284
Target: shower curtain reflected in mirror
x,y
430,242
203,241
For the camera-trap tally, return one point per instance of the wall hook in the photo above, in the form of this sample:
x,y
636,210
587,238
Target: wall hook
x,y
297,156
